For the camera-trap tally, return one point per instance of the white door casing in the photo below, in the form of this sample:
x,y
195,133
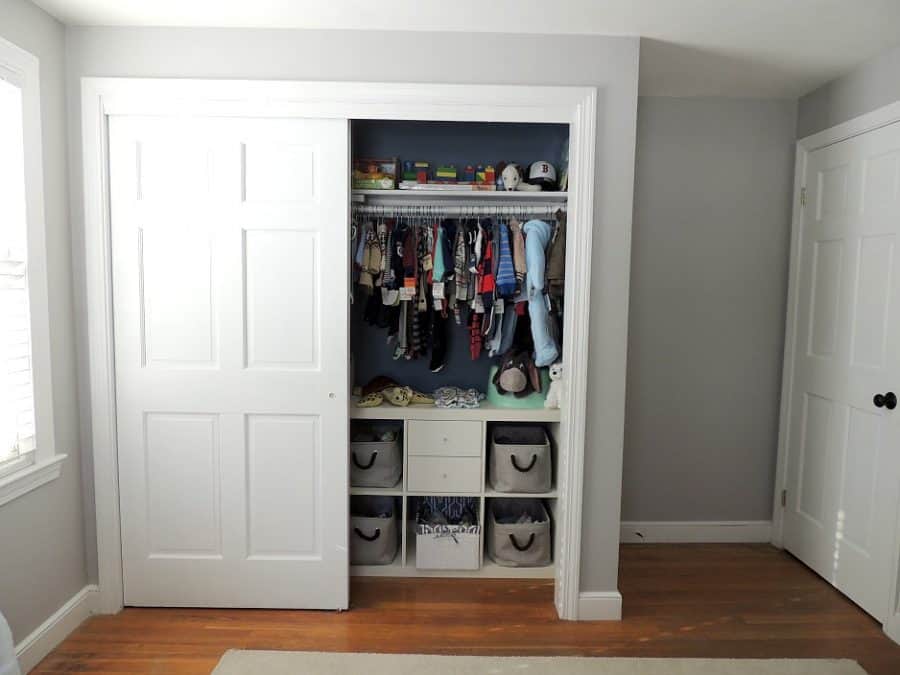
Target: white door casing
x,y
231,337
841,473
104,98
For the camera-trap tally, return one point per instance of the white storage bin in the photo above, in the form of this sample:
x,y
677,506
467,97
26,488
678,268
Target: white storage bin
x,y
374,528
448,536
520,459
448,547
375,463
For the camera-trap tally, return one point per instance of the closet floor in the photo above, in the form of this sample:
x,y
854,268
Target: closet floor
x,y
725,600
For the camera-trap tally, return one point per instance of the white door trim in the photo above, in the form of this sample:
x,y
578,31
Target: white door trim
x,y
101,97
857,126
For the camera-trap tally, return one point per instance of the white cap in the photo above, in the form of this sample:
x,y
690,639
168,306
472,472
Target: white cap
x,y
542,172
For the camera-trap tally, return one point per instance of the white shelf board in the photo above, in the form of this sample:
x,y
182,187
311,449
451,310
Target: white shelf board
x,y
489,569
487,412
414,196
396,491
493,494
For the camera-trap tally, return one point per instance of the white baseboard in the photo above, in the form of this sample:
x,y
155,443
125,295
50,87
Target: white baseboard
x,y
699,532
891,628
600,606
57,627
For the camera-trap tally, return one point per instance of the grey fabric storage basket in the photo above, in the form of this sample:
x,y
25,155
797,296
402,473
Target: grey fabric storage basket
x,y
520,459
375,463
519,545
373,539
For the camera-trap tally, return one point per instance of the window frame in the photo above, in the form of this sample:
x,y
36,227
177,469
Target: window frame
x,y
19,476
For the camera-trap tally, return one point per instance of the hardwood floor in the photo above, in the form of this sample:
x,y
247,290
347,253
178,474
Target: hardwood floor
x,y
679,601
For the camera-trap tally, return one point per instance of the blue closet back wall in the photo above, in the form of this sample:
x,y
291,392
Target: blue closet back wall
x,y
459,143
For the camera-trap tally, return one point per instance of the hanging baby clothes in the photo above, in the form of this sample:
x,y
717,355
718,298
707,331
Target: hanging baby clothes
x,y
438,316
387,269
518,251
556,260
370,264
556,275
506,275
537,236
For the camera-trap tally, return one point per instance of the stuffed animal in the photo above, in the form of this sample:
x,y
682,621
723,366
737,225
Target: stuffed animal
x,y
555,392
517,374
514,179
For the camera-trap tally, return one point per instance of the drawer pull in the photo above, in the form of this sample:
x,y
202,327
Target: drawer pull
x,y
518,468
512,539
365,467
361,535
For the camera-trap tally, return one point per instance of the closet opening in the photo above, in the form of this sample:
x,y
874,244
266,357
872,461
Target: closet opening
x,y
457,322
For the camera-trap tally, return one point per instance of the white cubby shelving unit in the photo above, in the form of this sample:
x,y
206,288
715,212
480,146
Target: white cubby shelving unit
x,y
404,564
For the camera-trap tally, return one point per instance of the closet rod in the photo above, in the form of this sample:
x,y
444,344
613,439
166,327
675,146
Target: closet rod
x,y
426,210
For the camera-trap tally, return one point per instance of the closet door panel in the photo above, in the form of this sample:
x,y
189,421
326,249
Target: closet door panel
x,y
283,322
228,240
842,490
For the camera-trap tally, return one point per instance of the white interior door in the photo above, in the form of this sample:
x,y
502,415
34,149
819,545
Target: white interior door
x,y
843,444
229,237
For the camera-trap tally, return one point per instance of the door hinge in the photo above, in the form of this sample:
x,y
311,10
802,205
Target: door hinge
x,y
803,196
783,498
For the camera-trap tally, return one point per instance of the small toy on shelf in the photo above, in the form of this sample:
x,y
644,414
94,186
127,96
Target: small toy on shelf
x,y
375,174
554,393
446,174
469,174
418,172
513,179
383,389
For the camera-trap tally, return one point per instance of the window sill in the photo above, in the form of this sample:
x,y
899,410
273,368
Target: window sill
x,y
30,478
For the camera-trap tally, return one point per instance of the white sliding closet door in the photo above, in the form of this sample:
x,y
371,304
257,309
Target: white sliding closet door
x,y
844,440
229,246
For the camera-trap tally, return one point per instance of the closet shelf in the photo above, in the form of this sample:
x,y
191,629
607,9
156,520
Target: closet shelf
x,y
488,570
486,412
396,491
490,493
413,197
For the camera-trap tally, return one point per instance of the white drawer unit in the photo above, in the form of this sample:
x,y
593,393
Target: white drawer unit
x,y
445,438
444,474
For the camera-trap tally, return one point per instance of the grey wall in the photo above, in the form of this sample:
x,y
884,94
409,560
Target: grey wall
x,y
870,86
42,550
710,252
610,63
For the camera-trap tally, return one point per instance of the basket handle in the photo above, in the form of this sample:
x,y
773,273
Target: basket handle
x,y
365,467
521,549
518,468
362,535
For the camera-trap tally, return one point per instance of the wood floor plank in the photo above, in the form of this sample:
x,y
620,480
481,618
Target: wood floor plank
x,y
727,601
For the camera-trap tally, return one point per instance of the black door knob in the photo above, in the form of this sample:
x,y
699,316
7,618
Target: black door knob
x,y
888,400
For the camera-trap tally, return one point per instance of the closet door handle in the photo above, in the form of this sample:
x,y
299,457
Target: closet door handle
x,y
888,400
515,463
362,535
364,467
521,549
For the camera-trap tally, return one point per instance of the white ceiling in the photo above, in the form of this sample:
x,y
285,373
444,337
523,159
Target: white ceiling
x,y
764,48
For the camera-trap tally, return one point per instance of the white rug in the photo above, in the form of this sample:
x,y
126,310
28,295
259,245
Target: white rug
x,y
240,662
